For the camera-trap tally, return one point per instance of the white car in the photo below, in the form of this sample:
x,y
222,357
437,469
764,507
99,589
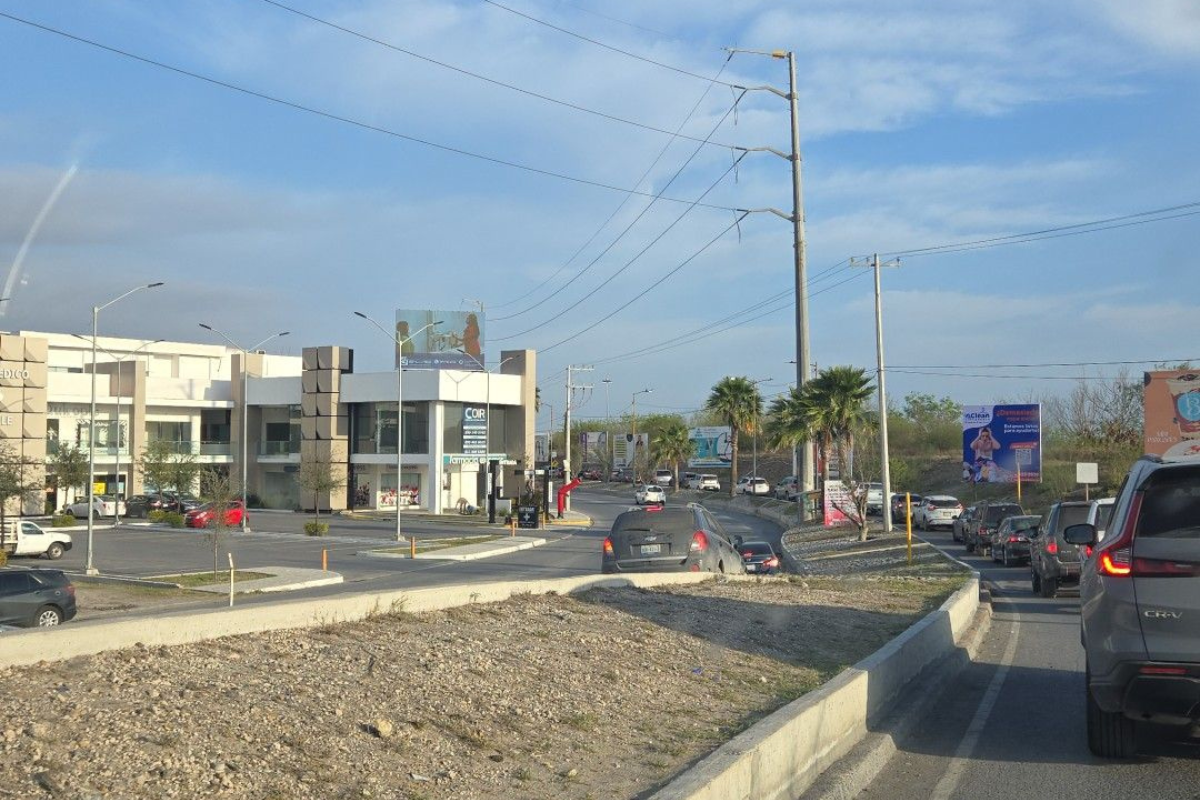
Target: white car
x,y
755,486
874,498
649,494
1098,513
708,483
787,488
664,478
103,505
937,511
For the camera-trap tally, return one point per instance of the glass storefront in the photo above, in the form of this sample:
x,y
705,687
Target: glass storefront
x,y
375,428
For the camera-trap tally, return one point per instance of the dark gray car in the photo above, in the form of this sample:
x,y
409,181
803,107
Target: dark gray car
x,y
977,533
759,558
1053,561
35,597
1140,606
1010,545
659,539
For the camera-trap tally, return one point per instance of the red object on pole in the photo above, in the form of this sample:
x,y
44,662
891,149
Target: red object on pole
x,y
562,495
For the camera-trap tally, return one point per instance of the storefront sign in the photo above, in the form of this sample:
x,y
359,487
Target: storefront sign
x,y
475,430
527,516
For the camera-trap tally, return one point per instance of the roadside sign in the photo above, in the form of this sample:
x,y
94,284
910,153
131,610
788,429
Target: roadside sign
x,y
1087,472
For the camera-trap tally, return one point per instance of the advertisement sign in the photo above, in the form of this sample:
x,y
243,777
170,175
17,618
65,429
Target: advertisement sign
x,y
475,427
438,346
541,448
625,449
1171,405
712,448
592,441
837,497
1001,440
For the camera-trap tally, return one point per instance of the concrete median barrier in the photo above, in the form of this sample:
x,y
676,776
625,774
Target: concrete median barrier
x,y
782,755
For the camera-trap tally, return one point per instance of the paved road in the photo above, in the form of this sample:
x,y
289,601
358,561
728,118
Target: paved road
x,y
1012,724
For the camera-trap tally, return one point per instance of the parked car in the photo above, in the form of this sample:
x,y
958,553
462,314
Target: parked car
x,y
938,511
988,514
646,493
759,558
36,597
687,478
205,515
1010,545
1140,606
1053,561
589,474
959,525
707,483
183,503
754,486
664,478
25,538
140,505
787,488
681,539
103,505
901,504
1098,515
874,498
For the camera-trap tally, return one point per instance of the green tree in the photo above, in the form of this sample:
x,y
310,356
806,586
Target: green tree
x,y
737,401
183,469
69,468
673,445
317,477
19,479
155,464
220,492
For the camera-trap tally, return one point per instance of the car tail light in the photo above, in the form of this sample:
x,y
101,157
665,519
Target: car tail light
x,y
1052,548
1158,568
699,542
1153,670
748,554
71,589
772,562
1013,539
1116,557
608,548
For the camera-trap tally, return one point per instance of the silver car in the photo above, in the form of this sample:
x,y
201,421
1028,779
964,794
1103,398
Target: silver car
x,y
1140,606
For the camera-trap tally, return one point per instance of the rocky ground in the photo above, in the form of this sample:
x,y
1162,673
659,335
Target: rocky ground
x,y
602,695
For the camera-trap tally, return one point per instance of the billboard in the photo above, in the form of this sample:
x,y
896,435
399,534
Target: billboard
x,y
625,449
999,441
541,448
712,448
592,442
438,346
1171,405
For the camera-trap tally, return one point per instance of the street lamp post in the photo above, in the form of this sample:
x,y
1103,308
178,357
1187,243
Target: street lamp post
x,y
757,403
399,343
487,422
245,413
633,403
608,430
90,567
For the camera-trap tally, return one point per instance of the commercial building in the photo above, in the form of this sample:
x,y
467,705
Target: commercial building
x,y
309,408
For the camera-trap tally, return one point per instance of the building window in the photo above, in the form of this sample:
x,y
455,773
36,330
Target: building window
x,y
178,433
375,428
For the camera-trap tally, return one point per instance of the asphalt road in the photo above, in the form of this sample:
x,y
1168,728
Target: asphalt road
x,y
569,551
1012,724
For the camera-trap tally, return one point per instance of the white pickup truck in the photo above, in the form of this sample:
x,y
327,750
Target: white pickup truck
x,y
24,538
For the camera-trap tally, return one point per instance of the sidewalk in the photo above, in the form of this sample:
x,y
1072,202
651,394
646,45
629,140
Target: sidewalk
x,y
283,579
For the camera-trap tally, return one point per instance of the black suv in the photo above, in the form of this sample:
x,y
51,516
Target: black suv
x,y
35,597
1053,561
958,528
1140,606
977,534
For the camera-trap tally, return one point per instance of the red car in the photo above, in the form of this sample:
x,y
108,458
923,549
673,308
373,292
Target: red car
x,y
205,516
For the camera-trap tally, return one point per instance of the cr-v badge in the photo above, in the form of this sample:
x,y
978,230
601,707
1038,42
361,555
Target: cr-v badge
x,y
1156,614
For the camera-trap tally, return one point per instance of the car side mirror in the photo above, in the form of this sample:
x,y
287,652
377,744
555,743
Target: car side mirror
x,y
1081,534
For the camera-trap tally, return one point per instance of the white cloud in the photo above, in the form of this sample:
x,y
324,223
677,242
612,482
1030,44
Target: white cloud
x,y
1167,27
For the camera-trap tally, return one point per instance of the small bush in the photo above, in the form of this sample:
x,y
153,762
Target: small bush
x,y
316,528
173,518
3,558
254,501
156,516
63,520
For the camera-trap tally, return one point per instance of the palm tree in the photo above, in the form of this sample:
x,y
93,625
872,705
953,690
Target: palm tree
x,y
836,409
673,444
739,404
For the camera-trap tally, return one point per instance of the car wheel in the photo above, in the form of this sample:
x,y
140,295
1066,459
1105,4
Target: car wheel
x,y
1110,733
47,617
1035,579
995,555
1049,587
54,552
1007,558
970,547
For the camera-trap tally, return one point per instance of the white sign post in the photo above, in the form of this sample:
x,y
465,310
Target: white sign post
x,y
1087,473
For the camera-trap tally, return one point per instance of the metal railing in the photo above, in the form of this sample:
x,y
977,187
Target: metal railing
x,y
279,448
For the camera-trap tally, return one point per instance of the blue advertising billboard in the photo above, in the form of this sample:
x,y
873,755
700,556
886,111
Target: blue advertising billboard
x,y
711,447
1002,441
439,339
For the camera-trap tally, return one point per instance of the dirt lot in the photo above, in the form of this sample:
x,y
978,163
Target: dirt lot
x,y
602,695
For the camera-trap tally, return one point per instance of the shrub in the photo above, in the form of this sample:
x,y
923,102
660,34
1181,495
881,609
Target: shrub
x,y
316,528
3,558
173,518
254,501
157,516
63,520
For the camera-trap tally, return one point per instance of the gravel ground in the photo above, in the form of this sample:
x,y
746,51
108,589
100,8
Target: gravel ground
x,y
601,695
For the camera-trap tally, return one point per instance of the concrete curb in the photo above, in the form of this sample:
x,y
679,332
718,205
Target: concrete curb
x,y
25,647
783,755
447,554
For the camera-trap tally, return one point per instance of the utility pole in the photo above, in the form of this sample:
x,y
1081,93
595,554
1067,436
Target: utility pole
x,y
800,264
885,467
608,437
571,387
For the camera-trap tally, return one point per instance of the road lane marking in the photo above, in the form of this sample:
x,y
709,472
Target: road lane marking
x,y
958,764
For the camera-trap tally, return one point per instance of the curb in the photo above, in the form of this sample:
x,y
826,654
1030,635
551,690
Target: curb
x,y
248,588
445,554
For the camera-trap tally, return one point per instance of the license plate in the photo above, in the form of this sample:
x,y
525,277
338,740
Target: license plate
x,y
752,568
651,549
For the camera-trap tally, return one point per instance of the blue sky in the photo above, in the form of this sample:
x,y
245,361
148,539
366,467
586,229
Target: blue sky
x,y
923,123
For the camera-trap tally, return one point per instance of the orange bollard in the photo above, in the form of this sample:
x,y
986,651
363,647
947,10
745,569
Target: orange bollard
x,y
325,560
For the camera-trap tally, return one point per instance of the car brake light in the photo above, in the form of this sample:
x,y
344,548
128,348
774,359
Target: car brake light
x,y
1012,539
772,562
1052,548
748,554
699,542
1116,557
608,548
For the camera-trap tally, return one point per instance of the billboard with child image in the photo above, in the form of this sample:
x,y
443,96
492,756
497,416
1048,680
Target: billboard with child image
x,y
1002,443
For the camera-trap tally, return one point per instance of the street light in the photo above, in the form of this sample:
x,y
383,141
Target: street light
x,y
245,413
120,360
399,343
487,421
90,569
608,430
633,402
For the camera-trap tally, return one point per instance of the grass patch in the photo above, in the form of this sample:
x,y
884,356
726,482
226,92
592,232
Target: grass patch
x,y
207,578
583,721
433,545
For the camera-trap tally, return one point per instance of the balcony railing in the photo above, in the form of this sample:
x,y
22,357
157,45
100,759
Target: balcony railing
x,y
278,448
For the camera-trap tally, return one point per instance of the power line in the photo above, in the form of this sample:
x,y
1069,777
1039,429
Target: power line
x,y
993,375
624,200
635,221
1048,364
598,43
484,78
614,19
339,118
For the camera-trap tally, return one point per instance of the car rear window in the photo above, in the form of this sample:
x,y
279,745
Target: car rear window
x,y
1071,515
666,521
941,502
757,548
997,513
1171,504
